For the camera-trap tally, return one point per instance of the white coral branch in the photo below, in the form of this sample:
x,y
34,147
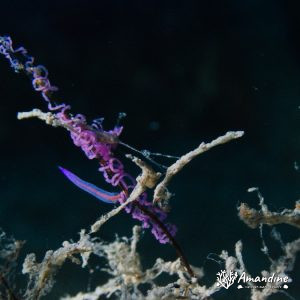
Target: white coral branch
x,y
161,192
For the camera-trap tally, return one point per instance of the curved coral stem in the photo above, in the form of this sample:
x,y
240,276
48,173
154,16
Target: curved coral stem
x,y
165,230
172,240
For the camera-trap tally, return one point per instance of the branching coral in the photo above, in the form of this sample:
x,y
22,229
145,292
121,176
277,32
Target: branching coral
x,y
285,263
280,267
148,179
127,275
41,275
253,218
9,253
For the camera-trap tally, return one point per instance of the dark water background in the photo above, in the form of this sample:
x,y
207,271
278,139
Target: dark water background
x,y
184,72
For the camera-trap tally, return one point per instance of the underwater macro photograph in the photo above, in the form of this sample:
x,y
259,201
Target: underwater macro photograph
x,y
150,150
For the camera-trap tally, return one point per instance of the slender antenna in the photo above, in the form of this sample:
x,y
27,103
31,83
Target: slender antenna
x,y
143,154
121,116
160,154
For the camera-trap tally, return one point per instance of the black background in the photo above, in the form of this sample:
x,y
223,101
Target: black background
x,y
184,72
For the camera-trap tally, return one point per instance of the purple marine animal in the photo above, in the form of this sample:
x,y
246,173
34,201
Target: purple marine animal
x,y
97,144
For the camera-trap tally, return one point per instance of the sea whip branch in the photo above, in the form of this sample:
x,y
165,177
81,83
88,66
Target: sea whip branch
x,y
98,143
148,179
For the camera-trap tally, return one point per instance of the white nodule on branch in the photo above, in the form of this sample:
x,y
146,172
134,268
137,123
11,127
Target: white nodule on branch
x,y
149,177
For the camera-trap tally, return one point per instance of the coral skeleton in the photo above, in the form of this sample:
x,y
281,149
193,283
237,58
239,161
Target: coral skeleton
x,y
127,275
253,218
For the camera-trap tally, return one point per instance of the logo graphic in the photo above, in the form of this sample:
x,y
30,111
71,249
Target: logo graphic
x,y
226,279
